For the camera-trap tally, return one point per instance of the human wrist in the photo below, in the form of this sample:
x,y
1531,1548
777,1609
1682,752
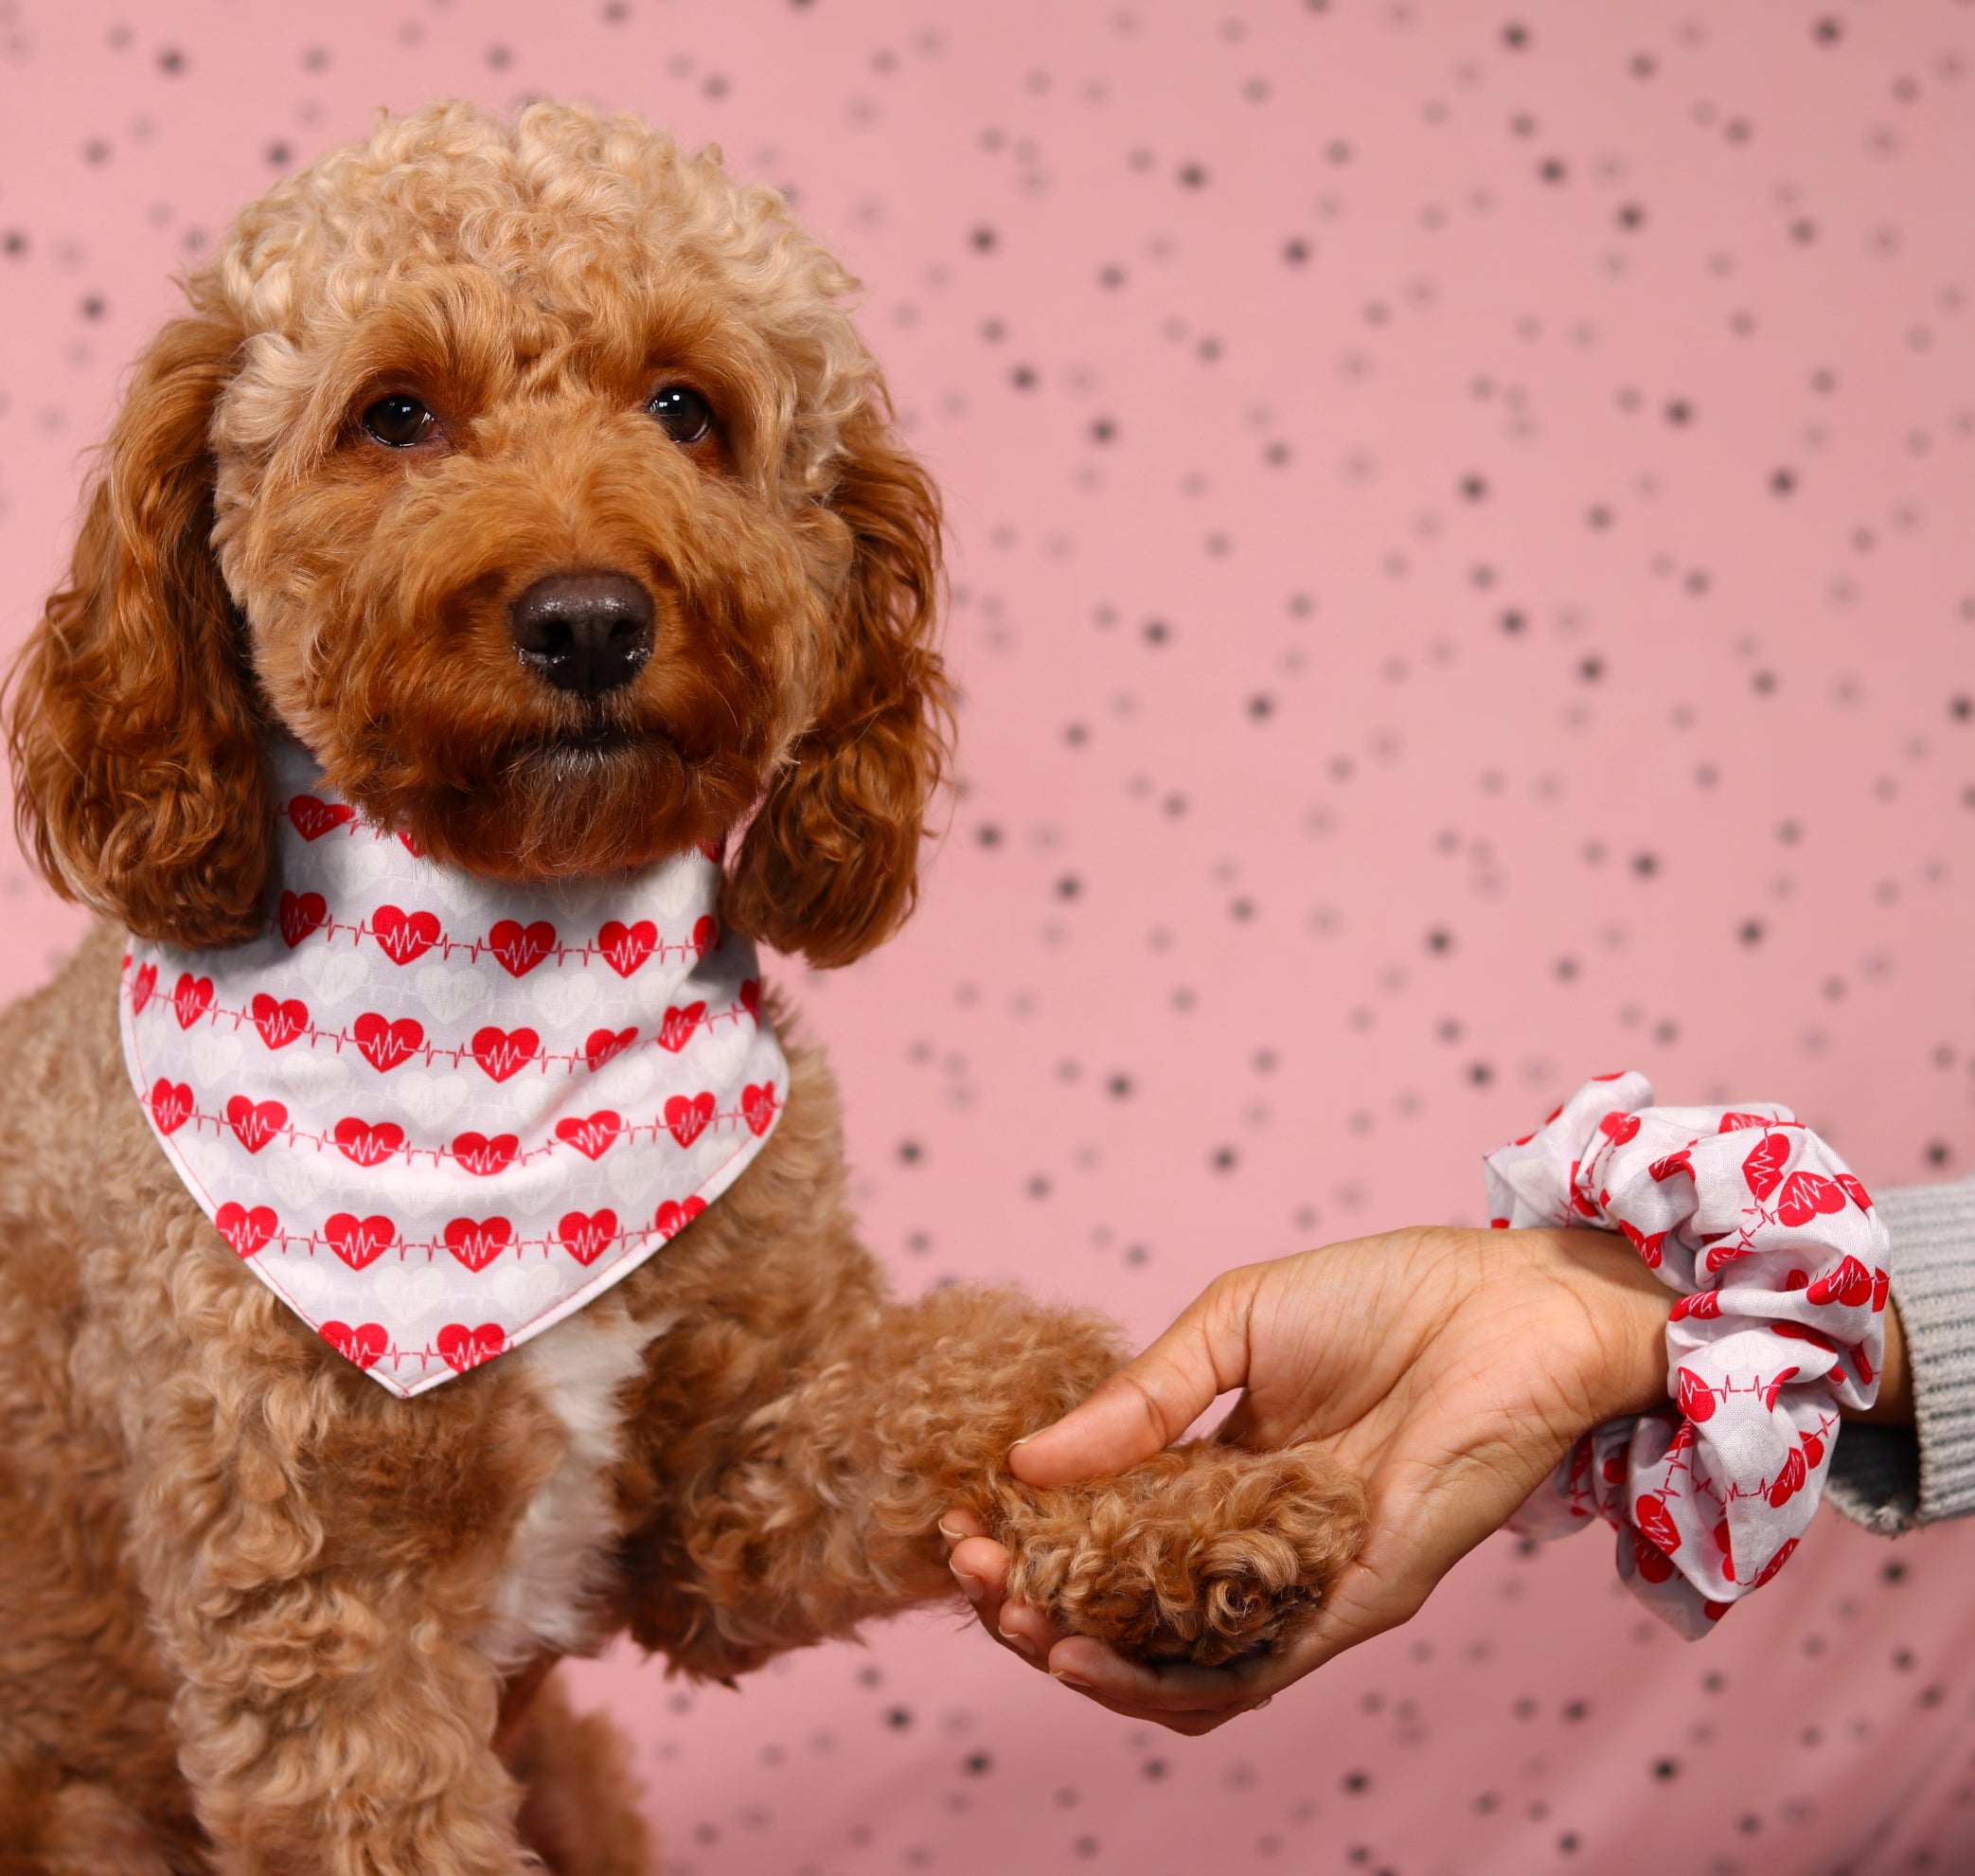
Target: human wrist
x,y
1625,1309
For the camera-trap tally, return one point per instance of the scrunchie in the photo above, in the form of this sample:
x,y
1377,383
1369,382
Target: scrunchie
x,y
1781,1264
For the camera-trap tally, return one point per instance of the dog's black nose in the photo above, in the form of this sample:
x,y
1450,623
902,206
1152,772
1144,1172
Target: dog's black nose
x,y
585,633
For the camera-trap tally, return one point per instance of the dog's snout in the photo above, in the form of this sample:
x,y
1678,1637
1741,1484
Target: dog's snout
x,y
585,633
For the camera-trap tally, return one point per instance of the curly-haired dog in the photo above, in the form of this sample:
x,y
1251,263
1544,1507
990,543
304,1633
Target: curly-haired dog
x,y
256,1613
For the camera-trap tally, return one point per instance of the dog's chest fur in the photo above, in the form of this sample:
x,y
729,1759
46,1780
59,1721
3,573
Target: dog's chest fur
x,y
550,1591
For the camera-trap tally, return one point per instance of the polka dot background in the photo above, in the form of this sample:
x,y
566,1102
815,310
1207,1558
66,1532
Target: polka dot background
x,y
1461,581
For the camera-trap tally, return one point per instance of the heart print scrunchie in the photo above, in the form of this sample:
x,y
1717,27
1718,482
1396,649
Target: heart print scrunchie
x,y
1780,1262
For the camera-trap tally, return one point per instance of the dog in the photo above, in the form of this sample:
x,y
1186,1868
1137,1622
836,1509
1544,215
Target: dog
x,y
531,480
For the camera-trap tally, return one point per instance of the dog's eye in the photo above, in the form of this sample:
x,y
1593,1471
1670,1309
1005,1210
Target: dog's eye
x,y
685,415
397,422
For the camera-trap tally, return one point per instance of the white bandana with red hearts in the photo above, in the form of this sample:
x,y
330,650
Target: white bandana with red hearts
x,y
1781,1265
436,1115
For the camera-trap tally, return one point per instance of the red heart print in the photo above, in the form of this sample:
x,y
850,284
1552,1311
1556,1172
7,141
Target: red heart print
x,y
280,1023
1664,1170
462,1348
1813,1451
1807,1194
366,1144
300,914
1881,1285
144,986
171,1104
1857,1192
1724,1541
1724,1250
1797,1332
1647,1248
1656,1521
479,1154
255,1124
1697,1398
1653,1563
359,1241
1734,1121
1851,1284
1789,1480
626,947
758,1105
673,1216
687,1119
707,934
246,1231
1763,1169
1619,1128
677,1029
477,1241
603,1044
521,948
313,817
715,849
412,845
1773,1388
385,1043
1705,1304
191,997
1860,1361
1775,1563
592,1133
505,1052
585,1235
362,1345
402,936
751,997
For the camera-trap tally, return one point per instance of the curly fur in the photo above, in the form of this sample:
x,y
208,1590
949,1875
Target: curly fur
x,y
256,1614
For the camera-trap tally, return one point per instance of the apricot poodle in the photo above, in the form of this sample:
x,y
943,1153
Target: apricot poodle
x,y
258,1612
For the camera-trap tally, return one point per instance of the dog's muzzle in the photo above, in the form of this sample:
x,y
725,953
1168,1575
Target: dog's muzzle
x,y
587,633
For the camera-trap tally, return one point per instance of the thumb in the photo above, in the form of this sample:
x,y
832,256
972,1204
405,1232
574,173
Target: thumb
x,y
1144,1407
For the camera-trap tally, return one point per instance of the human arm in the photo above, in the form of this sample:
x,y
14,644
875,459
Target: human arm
x,y
1450,1369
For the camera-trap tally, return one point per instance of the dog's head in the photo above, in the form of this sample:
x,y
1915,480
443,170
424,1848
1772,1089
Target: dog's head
x,y
533,478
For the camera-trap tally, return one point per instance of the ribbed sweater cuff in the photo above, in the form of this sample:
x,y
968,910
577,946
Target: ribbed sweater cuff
x,y
1885,1477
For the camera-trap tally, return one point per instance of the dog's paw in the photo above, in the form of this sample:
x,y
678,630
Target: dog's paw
x,y
1206,1552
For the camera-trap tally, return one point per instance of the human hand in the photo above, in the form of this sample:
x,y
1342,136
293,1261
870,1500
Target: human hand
x,y
1449,1369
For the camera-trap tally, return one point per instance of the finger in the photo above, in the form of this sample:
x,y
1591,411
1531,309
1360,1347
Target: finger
x,y
957,1522
1146,1688
1144,1407
980,1567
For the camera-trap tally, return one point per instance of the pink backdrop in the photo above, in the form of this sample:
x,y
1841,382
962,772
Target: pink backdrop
x,y
1461,580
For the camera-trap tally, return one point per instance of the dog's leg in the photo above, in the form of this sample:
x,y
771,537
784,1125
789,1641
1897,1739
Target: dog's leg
x,y
798,1512
51,1825
797,1436
580,1815
319,1562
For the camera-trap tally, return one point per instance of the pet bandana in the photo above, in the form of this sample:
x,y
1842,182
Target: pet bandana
x,y
436,1115
1781,1264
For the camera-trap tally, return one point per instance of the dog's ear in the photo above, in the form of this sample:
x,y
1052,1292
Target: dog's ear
x,y
136,743
829,867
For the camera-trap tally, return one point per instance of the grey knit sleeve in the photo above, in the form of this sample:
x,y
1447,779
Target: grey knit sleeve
x,y
1890,1478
